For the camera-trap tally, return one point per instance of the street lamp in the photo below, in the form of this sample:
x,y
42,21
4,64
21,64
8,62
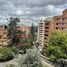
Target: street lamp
x,y
62,63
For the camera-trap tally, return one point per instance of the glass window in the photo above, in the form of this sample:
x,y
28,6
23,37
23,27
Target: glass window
x,y
46,23
47,27
46,34
59,18
61,23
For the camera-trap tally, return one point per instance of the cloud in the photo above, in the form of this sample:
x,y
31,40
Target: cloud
x,y
19,12
31,10
28,12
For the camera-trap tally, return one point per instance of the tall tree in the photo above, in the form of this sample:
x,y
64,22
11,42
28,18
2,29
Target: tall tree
x,y
13,31
32,31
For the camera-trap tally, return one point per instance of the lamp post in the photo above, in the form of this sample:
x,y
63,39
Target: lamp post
x,y
62,63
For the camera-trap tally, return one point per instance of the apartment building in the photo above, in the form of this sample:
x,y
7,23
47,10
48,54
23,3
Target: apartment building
x,y
25,29
3,34
40,35
60,22
47,30
44,29
50,24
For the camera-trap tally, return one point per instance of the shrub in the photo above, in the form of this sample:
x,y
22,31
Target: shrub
x,y
24,47
5,54
15,50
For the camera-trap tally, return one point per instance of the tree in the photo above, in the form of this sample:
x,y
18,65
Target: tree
x,y
5,26
13,31
57,46
32,30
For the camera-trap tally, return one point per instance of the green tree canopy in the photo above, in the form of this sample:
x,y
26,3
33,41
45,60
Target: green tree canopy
x,y
32,31
13,31
57,47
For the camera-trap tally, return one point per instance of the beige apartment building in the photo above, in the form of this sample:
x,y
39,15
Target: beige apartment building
x,y
44,30
3,36
40,36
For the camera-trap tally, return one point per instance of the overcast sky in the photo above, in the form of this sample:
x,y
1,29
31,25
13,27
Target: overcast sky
x,y
30,10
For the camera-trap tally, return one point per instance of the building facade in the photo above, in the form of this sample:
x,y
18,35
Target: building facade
x,y
60,22
3,34
47,30
25,29
50,24
40,35
44,30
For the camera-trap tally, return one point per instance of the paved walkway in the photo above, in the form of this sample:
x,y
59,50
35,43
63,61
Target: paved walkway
x,y
45,64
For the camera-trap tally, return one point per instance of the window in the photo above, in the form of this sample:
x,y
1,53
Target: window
x,y
5,38
45,38
41,23
41,30
40,33
61,23
63,18
40,20
62,28
56,27
46,23
5,32
59,18
46,31
47,27
58,23
46,34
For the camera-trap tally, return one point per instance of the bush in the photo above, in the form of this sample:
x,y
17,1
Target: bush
x,y
24,47
15,50
5,54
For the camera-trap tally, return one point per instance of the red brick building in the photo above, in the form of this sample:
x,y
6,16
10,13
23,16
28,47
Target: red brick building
x,y
50,24
60,22
3,33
